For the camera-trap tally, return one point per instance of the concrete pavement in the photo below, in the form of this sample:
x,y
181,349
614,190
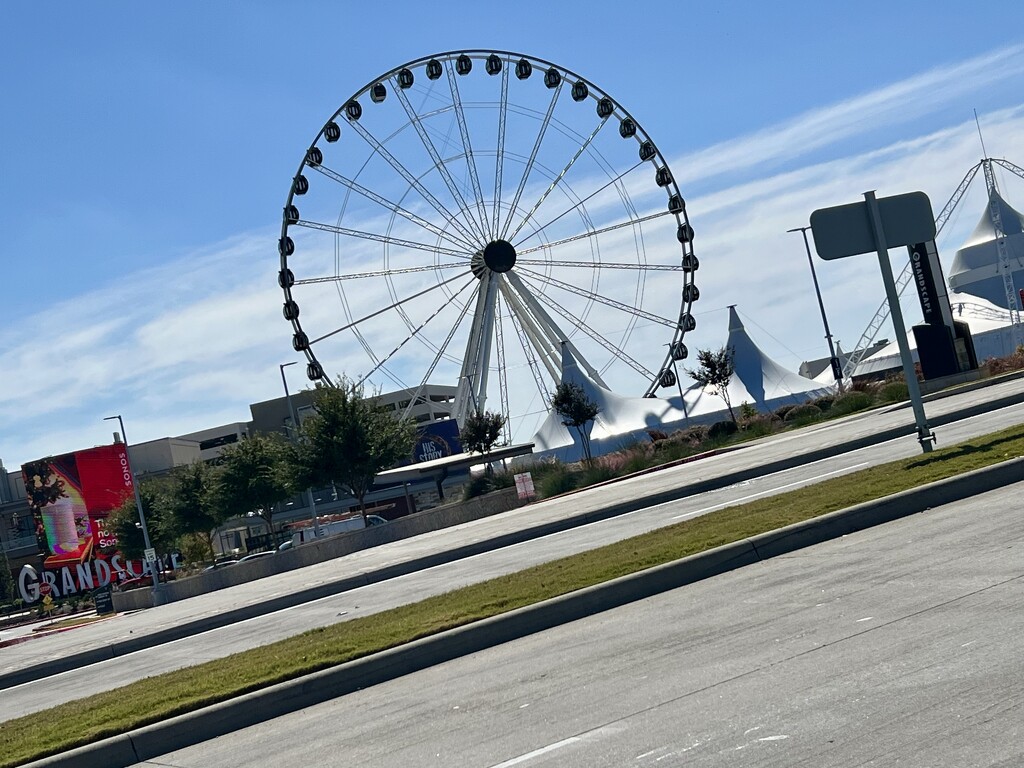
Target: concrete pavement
x,y
160,738
581,510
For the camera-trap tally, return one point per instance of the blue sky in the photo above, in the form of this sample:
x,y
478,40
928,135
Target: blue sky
x,y
148,149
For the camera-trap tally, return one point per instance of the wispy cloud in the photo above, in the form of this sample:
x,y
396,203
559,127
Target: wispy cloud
x,y
892,105
190,344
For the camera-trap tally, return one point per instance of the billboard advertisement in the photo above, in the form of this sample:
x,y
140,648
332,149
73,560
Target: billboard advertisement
x,y
437,440
70,497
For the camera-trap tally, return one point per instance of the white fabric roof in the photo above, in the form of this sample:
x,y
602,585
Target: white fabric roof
x,y
975,268
758,380
990,329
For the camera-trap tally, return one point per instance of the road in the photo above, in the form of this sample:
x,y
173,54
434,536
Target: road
x,y
897,645
43,693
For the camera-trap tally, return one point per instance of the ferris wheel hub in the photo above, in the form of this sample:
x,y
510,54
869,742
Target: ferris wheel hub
x,y
499,256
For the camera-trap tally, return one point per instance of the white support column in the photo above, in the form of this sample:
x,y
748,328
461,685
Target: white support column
x,y
553,331
472,387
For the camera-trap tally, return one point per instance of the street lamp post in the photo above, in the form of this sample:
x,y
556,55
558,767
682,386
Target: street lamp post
x,y
837,367
154,567
292,435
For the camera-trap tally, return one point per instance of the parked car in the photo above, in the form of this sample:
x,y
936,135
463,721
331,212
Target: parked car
x,y
255,556
222,563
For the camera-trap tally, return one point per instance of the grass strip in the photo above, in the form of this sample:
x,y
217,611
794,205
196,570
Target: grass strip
x,y
113,712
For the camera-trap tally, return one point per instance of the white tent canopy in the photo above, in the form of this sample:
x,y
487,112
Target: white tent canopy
x,y
990,326
975,267
758,380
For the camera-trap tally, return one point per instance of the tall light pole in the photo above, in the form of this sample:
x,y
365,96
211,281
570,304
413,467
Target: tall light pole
x,y
153,567
292,434
837,366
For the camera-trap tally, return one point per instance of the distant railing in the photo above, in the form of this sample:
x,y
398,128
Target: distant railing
x,y
19,542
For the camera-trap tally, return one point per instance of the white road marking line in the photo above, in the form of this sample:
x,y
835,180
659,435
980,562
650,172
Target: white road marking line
x,y
538,752
769,491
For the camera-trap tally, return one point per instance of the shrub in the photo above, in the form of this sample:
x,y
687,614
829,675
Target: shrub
x,y
999,365
722,429
656,435
760,427
748,412
803,413
556,481
854,400
782,410
824,402
691,436
894,391
478,485
637,462
595,474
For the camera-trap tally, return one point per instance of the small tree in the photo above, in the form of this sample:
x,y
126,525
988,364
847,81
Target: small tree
x,y
8,592
572,403
254,477
349,439
481,431
192,504
124,522
716,370
42,487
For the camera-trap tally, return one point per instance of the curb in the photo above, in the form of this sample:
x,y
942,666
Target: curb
x,y
259,706
215,621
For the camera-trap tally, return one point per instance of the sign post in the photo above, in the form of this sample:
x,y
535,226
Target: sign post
x,y
848,230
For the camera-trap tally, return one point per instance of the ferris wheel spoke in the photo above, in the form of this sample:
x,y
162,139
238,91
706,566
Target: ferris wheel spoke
x,y
594,233
547,279
378,238
460,115
395,207
439,164
599,190
437,358
400,302
561,175
599,265
380,273
586,328
441,307
533,157
415,183
499,158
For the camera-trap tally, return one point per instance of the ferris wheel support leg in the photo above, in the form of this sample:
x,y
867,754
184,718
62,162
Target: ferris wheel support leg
x,y
548,354
554,332
472,387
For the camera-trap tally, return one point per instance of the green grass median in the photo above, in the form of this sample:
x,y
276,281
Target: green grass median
x,y
154,699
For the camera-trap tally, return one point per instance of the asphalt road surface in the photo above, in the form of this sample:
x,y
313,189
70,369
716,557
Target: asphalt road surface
x,y
898,645
214,644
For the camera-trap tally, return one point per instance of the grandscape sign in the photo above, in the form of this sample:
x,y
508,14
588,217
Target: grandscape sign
x,y
71,497
80,578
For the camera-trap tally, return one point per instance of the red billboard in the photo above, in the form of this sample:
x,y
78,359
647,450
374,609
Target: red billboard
x,y
71,497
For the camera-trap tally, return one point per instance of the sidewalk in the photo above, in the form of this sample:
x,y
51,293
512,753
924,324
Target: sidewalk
x,y
262,597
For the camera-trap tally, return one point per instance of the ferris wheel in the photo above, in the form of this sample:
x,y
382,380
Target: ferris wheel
x,y
468,218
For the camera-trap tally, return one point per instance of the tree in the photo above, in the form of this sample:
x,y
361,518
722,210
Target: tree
x,y
481,431
572,403
8,593
192,503
348,439
716,370
42,487
254,477
124,522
